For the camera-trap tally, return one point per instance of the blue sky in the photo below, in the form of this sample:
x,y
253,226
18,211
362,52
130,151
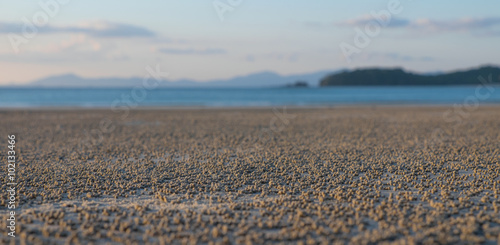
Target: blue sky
x,y
188,38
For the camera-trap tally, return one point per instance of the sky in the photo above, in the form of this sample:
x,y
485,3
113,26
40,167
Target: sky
x,y
205,40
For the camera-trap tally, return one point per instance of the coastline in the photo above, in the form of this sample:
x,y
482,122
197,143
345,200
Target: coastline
x,y
294,107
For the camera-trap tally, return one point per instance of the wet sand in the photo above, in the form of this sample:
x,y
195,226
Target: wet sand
x,y
354,175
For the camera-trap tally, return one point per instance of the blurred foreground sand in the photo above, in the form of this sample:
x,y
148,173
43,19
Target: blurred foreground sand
x,y
311,176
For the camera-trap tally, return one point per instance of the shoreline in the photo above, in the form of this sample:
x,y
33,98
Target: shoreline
x,y
177,108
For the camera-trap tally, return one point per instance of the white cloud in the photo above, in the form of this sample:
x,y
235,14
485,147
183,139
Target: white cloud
x,y
362,21
74,42
429,25
75,48
103,29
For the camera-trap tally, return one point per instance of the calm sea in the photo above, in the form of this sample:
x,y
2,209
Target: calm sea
x,y
228,97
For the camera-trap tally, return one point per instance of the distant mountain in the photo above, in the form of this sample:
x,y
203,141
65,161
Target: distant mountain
x,y
262,79
399,77
74,81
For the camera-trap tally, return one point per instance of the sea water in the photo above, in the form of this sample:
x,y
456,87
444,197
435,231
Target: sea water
x,y
239,97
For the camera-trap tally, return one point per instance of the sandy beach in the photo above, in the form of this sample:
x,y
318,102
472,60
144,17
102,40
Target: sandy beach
x,y
358,175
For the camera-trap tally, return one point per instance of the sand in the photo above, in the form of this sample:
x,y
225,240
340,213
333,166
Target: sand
x,y
359,175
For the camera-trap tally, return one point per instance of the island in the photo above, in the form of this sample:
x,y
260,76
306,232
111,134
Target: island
x,y
298,84
399,77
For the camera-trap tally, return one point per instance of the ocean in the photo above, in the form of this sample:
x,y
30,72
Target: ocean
x,y
238,97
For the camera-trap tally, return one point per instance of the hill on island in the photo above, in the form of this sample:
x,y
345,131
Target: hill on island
x,y
399,77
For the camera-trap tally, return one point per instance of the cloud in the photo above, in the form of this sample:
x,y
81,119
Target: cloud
x,y
363,21
74,42
429,25
191,51
42,57
467,24
103,29
37,57
75,48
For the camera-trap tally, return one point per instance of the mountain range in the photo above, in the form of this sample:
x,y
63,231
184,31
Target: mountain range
x,y
261,79
342,77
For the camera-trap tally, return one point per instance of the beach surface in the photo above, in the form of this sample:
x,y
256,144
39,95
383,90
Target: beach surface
x,y
358,175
